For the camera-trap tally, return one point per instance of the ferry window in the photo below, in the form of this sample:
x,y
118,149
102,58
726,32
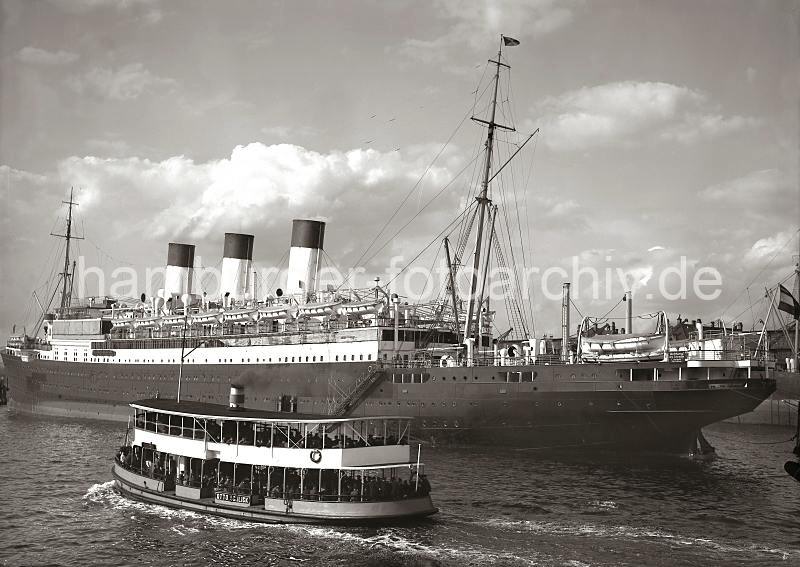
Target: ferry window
x,y
306,359
321,358
360,357
314,359
337,358
292,359
369,357
352,357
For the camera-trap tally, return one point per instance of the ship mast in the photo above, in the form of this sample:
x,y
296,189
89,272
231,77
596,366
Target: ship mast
x,y
66,290
483,198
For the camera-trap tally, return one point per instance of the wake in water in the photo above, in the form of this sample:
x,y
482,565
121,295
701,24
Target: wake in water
x,y
395,540
629,532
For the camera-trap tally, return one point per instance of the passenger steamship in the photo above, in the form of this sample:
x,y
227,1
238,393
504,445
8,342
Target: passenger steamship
x,y
367,352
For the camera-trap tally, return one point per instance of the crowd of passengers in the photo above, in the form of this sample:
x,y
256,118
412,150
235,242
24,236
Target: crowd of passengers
x,y
133,458
373,489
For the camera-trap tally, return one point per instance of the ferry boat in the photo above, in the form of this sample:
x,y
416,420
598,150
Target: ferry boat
x,y
265,466
349,352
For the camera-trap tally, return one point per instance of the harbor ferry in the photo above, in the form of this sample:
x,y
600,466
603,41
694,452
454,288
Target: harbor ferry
x,y
270,467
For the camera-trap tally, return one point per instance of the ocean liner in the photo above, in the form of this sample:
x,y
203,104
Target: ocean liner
x,y
367,352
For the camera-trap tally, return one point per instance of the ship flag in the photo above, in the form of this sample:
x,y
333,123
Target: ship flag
x,y
510,41
787,302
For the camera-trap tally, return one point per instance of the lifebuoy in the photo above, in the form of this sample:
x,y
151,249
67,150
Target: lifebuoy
x,y
316,456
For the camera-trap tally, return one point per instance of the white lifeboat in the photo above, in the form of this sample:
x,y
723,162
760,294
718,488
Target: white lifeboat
x,y
285,311
361,308
318,309
240,316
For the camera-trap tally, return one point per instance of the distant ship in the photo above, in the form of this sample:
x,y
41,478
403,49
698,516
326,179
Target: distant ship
x,y
368,352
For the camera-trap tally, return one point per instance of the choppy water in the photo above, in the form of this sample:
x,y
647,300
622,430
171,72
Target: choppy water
x,y
58,507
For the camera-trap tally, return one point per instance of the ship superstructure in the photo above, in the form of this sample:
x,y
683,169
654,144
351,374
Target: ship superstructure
x,y
357,352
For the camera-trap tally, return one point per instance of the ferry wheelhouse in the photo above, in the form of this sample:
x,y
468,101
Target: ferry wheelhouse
x,y
270,467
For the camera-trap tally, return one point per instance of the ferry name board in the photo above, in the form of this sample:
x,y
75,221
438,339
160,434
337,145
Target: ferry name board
x,y
235,498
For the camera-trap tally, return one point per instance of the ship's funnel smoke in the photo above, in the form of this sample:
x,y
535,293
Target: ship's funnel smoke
x,y
180,265
237,261
304,257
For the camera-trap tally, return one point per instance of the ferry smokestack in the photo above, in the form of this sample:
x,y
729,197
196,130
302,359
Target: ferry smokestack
x,y
565,322
180,265
629,312
237,397
237,259
304,257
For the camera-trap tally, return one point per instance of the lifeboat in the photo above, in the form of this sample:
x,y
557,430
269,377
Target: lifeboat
x,y
318,309
372,307
239,316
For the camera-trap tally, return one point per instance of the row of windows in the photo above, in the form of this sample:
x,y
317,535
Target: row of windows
x,y
227,360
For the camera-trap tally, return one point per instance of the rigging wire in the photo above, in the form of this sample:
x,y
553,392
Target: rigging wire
x,y
449,227
790,239
402,228
411,191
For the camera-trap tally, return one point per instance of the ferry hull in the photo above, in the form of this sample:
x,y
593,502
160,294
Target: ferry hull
x,y
527,407
276,511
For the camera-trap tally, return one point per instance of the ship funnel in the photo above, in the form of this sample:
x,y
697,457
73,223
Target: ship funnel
x,y
237,397
565,352
629,312
180,265
237,258
304,257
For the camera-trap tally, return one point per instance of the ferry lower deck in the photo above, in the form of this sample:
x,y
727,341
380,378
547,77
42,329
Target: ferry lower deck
x,y
654,405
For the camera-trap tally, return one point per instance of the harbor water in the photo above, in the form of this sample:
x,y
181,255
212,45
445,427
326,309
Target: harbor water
x,y
58,506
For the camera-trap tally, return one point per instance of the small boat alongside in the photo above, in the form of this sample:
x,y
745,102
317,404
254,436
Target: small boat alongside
x,y
271,467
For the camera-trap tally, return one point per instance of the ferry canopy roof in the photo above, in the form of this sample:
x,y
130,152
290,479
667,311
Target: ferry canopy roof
x,y
204,410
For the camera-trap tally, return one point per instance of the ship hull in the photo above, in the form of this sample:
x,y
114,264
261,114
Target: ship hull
x,y
526,407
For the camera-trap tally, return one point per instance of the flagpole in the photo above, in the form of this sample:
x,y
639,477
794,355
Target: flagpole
x,y
797,325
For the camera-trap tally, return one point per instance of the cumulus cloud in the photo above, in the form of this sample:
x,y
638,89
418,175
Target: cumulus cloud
x,y
37,56
125,83
257,186
621,113
478,25
766,249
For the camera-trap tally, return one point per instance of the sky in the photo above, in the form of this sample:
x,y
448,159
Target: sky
x,y
668,137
